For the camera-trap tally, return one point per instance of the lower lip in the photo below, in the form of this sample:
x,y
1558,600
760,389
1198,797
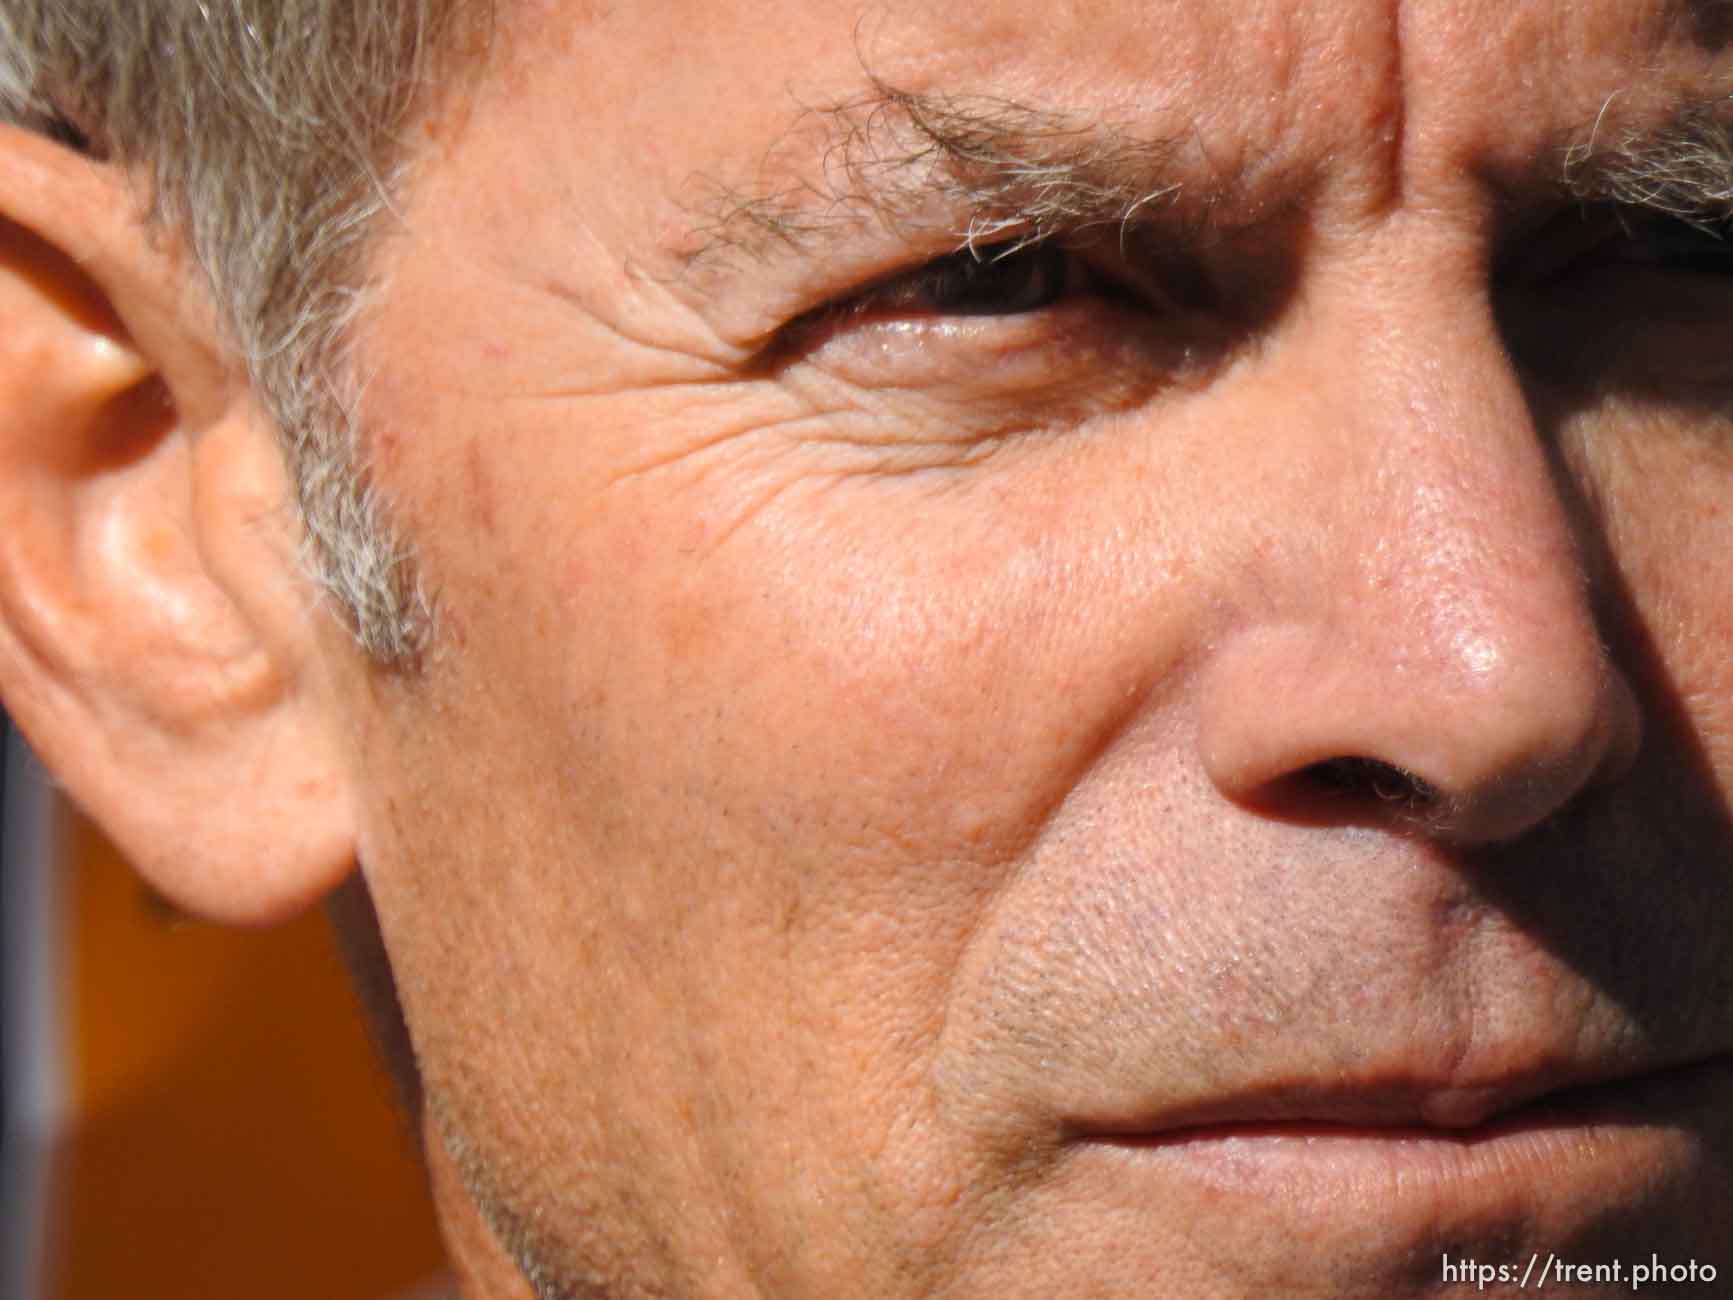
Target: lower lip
x,y
1595,1137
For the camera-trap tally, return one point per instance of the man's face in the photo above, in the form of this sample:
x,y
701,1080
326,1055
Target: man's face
x,y
1185,754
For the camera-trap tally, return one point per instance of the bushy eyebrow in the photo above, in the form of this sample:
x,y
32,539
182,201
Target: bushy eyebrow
x,y
893,157
1004,171
1682,168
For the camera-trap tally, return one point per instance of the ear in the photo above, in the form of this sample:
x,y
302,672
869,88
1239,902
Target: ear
x,y
158,645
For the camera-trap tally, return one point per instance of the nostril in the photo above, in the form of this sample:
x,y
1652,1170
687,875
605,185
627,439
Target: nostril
x,y
1355,777
1400,735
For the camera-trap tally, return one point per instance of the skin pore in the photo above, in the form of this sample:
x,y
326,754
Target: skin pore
x,y
1079,650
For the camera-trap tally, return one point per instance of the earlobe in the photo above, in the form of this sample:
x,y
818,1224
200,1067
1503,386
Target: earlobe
x,y
157,644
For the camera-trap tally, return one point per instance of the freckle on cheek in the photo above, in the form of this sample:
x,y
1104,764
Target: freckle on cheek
x,y
687,628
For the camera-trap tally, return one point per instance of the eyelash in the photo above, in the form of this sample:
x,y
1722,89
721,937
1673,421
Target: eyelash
x,y
1599,238
1003,280
1673,243
1014,278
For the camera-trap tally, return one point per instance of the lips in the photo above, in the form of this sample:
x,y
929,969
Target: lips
x,y
1369,1104
1419,1161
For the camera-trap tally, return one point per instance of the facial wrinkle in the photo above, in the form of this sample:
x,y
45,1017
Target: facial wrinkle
x,y
1399,124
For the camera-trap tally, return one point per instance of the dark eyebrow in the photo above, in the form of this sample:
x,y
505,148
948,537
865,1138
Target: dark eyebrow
x,y
1682,167
894,157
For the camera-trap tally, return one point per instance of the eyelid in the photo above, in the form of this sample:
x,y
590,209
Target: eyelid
x,y
871,301
894,296
993,284
1566,241
1043,367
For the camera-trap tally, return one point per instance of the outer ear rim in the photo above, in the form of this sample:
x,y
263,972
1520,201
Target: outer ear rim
x,y
152,282
186,713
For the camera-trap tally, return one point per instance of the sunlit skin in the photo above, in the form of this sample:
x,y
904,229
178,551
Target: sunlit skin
x,y
1135,787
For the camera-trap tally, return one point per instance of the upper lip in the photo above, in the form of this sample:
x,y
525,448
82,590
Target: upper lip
x,y
1374,1099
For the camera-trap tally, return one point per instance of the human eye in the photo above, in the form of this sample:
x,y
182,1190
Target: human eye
x,y
1007,280
1635,300
1606,238
1019,335
1662,242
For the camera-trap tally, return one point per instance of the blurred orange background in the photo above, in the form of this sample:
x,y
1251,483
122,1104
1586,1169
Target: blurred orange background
x,y
229,1133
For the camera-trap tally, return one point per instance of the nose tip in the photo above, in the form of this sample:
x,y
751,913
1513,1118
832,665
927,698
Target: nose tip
x,y
1422,642
1555,727
1475,743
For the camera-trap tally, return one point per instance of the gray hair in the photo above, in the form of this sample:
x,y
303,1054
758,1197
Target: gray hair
x,y
269,132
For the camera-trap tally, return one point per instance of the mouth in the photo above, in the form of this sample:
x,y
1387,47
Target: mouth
x,y
1356,1147
1417,1107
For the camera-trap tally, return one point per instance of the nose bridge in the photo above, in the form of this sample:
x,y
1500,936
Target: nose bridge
x,y
1433,621
1458,556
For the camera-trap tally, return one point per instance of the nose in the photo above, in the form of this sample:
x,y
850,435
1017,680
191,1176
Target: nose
x,y
1420,642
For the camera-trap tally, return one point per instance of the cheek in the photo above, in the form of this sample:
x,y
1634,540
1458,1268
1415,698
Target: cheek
x,y
906,670
849,716
1665,494
746,753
